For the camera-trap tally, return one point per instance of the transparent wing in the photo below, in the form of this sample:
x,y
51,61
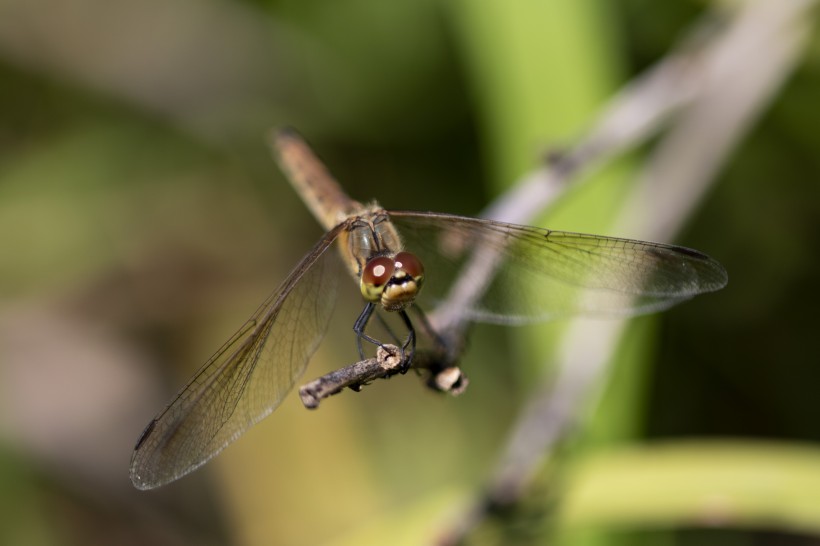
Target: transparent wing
x,y
524,274
246,379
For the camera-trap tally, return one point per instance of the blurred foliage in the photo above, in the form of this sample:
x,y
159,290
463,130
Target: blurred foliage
x,y
143,220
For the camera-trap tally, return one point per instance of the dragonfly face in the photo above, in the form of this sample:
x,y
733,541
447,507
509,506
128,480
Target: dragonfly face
x,y
392,281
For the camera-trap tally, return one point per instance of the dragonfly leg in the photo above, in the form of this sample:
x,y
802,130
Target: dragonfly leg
x,y
438,339
410,342
360,325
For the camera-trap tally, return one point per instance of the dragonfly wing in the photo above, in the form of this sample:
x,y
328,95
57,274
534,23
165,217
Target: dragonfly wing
x,y
536,274
246,379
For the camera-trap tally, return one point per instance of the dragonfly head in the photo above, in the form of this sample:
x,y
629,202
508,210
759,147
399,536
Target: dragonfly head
x,y
393,281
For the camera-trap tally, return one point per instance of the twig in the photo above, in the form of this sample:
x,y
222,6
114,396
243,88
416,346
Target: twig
x,y
388,362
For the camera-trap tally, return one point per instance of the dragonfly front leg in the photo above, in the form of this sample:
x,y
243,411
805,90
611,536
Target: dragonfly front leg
x,y
361,324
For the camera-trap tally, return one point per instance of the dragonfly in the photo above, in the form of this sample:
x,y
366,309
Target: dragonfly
x,y
401,260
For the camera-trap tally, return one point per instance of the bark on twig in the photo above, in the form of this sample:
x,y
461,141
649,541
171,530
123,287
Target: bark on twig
x,y
440,376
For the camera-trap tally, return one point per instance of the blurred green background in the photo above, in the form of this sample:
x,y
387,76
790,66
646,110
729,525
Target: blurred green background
x,y
142,221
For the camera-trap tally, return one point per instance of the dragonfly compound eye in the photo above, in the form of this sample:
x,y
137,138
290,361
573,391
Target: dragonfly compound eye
x,y
375,276
411,265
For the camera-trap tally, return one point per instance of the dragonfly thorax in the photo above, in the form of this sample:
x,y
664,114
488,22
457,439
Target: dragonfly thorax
x,y
392,281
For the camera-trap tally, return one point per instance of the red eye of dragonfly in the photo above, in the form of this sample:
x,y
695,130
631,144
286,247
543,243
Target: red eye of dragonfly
x,y
411,265
375,275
